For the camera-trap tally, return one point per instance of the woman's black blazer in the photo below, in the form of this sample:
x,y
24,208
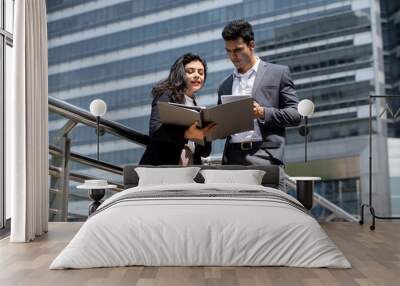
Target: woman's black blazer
x,y
167,141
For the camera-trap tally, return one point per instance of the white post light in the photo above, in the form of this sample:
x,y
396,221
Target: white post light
x,y
98,108
306,109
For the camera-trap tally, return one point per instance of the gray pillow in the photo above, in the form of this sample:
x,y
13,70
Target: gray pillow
x,y
248,177
163,176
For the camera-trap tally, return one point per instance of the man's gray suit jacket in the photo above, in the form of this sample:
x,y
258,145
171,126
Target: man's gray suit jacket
x,y
274,90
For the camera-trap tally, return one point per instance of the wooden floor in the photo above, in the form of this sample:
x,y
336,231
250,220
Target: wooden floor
x,y
374,255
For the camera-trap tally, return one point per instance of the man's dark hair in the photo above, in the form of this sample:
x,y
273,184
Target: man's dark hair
x,y
176,80
238,29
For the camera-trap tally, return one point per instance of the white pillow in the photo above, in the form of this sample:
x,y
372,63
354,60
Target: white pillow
x,y
163,176
248,177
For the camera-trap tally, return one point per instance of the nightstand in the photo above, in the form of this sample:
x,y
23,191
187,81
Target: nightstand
x,y
96,190
305,190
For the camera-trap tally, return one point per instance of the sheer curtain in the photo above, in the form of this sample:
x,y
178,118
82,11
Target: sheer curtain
x,y
26,124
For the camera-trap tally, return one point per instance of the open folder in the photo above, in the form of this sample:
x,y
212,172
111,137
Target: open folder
x,y
231,117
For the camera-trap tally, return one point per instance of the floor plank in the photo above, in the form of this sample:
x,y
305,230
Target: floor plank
x,y
374,255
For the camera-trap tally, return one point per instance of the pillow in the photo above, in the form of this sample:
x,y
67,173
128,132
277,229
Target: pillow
x,y
249,177
162,176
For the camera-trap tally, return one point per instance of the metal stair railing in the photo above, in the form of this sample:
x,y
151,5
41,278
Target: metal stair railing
x,y
61,155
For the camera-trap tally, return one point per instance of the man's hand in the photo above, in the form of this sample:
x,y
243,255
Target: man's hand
x,y
258,110
196,133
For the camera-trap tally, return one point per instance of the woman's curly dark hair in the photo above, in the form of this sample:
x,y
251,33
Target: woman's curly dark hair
x,y
176,80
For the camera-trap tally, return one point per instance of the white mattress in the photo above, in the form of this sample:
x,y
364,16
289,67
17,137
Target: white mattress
x,y
190,230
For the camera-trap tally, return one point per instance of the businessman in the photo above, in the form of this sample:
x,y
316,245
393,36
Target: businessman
x,y
275,100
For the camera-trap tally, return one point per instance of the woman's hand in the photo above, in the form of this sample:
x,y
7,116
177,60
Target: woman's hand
x,y
198,133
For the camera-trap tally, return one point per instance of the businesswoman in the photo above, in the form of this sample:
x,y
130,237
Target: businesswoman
x,y
172,144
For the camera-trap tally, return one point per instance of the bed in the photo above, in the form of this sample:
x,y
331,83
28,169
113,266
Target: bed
x,y
201,224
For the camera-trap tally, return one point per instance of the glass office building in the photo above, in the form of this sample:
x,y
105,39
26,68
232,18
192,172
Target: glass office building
x,y
116,50
390,17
